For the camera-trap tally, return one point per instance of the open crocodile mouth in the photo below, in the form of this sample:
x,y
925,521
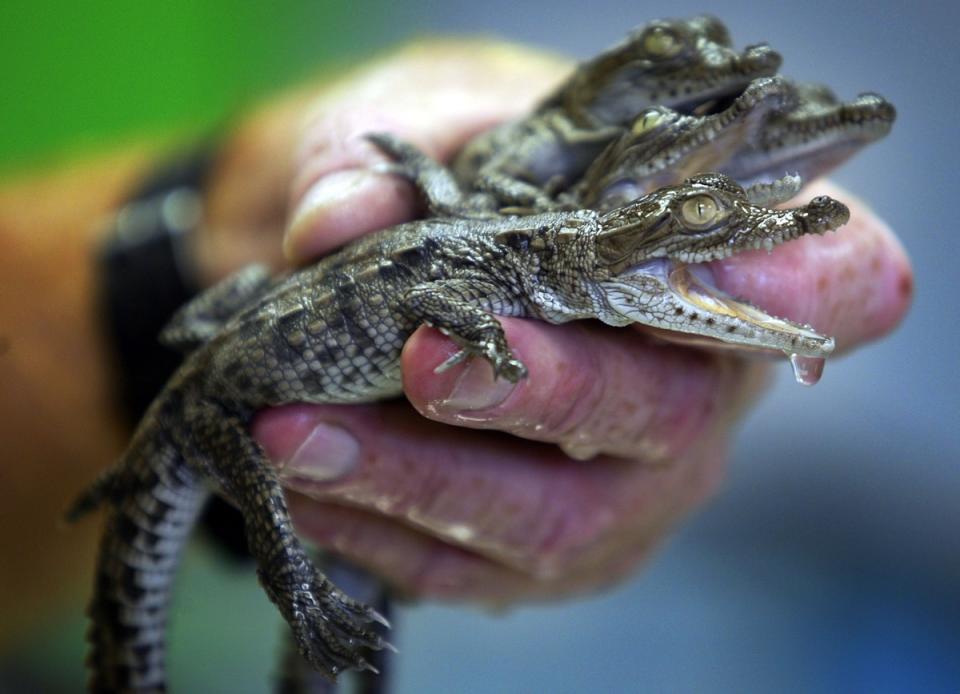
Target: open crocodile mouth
x,y
755,62
715,101
691,310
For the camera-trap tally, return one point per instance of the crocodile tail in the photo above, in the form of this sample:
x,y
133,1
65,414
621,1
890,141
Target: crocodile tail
x,y
154,501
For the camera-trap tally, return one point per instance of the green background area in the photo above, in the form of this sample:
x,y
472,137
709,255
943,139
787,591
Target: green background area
x,y
80,75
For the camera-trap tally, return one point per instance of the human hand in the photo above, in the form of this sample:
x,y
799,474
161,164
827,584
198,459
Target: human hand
x,y
462,513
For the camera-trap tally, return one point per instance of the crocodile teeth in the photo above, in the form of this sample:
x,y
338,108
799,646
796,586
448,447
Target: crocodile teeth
x,y
693,285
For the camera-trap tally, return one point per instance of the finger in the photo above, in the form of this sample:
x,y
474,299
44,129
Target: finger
x,y
418,565
855,284
619,394
590,389
518,503
410,561
434,94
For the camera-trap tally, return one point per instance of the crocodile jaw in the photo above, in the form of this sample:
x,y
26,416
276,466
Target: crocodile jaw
x,y
680,298
814,141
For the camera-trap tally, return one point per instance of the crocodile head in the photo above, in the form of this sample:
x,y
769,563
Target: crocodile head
x,y
687,65
663,146
774,127
651,253
815,136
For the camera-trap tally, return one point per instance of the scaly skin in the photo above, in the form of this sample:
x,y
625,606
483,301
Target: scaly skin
x,y
332,333
774,126
814,137
664,146
680,64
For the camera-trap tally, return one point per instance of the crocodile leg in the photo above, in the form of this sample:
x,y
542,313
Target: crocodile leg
x,y
443,193
433,180
200,319
331,630
513,193
297,677
580,147
451,307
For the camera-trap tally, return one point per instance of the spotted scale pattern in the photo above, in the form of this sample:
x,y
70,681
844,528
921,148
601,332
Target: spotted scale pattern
x,y
332,333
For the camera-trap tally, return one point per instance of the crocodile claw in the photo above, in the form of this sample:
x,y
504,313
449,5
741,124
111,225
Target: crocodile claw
x,y
457,357
510,370
504,367
331,630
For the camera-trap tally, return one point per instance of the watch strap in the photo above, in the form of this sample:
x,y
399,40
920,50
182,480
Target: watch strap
x,y
146,275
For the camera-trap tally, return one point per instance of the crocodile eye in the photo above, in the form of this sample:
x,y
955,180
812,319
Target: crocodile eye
x,y
661,43
647,121
699,211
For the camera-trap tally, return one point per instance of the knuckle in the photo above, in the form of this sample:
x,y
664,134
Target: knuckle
x,y
566,537
573,403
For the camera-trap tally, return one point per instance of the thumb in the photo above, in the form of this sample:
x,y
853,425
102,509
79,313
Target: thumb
x,y
434,94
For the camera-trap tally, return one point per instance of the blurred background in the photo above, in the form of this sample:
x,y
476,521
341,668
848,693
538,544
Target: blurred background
x,y
830,562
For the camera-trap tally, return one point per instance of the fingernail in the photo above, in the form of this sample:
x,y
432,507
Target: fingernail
x,y
329,191
328,453
476,389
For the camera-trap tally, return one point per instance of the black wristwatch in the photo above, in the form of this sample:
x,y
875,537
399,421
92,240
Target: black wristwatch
x,y
146,274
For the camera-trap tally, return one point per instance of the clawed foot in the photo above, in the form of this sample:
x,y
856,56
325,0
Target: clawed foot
x,y
331,630
504,366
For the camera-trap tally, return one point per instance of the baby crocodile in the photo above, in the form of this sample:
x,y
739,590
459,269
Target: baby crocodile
x,y
775,126
333,333
687,65
661,147
815,136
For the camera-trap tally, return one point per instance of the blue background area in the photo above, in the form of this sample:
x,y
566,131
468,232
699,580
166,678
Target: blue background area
x,y
831,561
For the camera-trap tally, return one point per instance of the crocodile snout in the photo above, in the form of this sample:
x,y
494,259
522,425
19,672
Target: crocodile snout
x,y
760,59
822,214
